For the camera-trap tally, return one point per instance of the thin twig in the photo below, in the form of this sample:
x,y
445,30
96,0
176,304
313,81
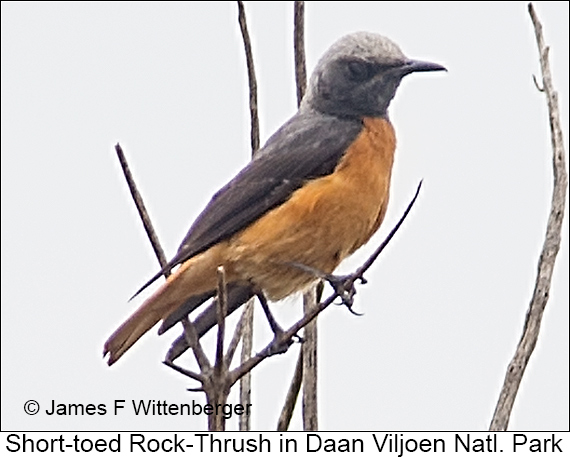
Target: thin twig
x,y
194,343
197,376
518,364
292,394
309,349
236,338
299,48
308,353
366,265
143,213
251,78
247,330
246,348
217,388
222,309
540,89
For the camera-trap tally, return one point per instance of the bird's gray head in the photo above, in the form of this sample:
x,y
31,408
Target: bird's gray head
x,y
358,76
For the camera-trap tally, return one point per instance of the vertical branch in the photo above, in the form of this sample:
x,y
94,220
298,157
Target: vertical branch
x,y
217,389
292,394
518,364
143,213
251,78
309,348
299,47
222,310
236,338
306,369
216,421
245,381
247,335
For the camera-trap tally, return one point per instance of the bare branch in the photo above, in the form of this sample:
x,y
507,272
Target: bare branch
x,y
366,265
518,364
247,332
540,89
143,213
217,388
292,394
251,78
309,349
194,343
236,338
246,348
222,309
197,376
299,47
308,353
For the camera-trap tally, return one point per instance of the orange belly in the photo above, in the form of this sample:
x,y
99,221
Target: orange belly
x,y
323,222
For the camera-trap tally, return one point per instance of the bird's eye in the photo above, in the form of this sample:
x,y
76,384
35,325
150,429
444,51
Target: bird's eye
x,y
358,70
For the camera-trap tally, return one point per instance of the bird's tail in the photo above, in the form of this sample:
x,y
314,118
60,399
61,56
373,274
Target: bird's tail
x,y
194,277
238,294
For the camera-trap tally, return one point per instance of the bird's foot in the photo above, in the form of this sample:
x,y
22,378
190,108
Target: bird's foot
x,y
343,285
280,345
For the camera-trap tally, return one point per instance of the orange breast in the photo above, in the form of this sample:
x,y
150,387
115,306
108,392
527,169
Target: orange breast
x,y
323,222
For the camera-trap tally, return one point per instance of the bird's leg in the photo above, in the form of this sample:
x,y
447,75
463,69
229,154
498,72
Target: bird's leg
x,y
280,347
343,285
277,330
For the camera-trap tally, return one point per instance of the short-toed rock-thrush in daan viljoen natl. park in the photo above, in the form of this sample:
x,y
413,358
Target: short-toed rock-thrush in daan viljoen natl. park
x,y
316,192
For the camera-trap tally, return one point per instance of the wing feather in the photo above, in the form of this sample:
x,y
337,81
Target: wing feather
x,y
306,147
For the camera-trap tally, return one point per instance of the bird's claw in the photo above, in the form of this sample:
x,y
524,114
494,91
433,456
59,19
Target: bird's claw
x,y
279,345
344,287
299,339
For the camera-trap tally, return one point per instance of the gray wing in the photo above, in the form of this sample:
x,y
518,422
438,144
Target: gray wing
x,y
306,147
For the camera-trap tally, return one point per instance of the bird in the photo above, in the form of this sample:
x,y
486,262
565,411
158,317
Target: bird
x,y
314,193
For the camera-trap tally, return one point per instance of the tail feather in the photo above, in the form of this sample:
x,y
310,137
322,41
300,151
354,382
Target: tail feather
x,y
195,277
186,308
237,296
131,330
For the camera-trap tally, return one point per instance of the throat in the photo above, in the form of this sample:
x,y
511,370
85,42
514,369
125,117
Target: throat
x,y
382,136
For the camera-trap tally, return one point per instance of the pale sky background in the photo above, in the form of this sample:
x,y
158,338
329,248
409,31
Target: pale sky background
x,y
445,304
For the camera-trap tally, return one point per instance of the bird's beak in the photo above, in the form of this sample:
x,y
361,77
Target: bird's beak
x,y
412,66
